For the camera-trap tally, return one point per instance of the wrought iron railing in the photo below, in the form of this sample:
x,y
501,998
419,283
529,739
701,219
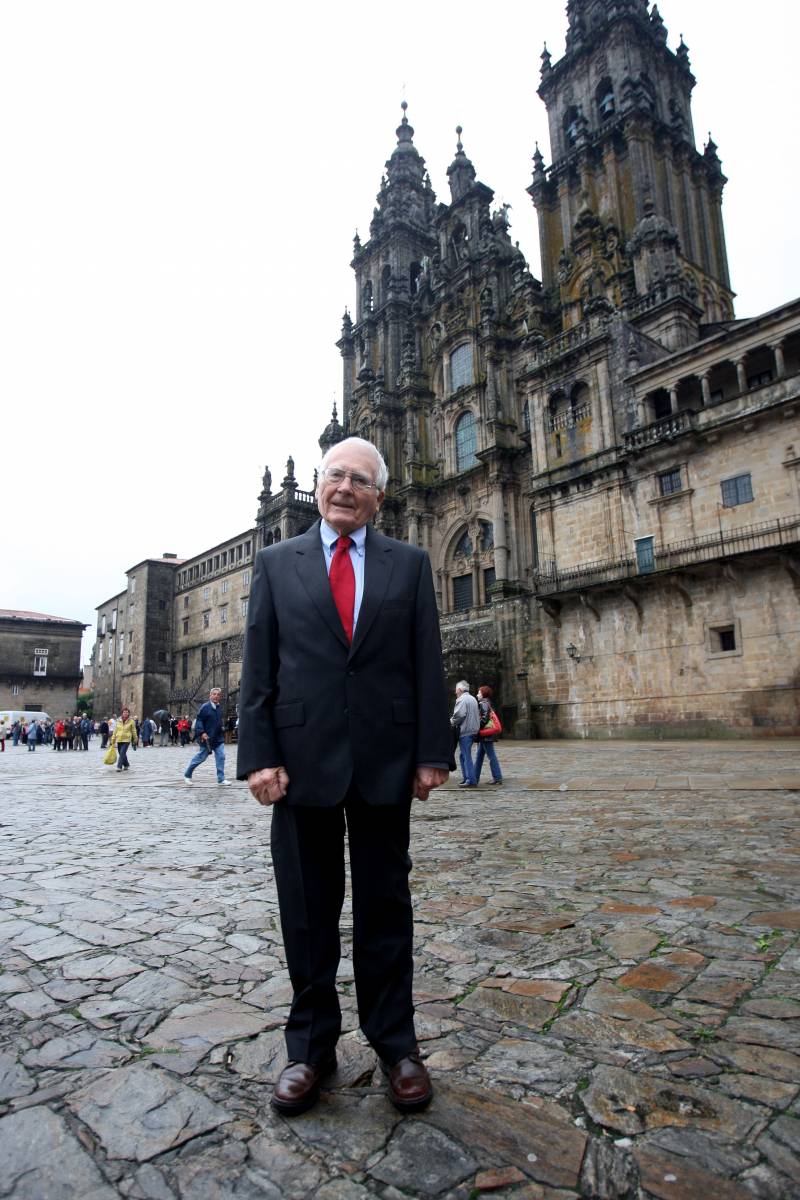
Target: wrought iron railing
x,y
231,652
724,543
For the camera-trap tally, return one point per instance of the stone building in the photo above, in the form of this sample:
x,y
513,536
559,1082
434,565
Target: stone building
x,y
40,662
602,464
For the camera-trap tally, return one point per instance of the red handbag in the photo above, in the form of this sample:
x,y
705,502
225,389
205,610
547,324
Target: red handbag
x,y
493,727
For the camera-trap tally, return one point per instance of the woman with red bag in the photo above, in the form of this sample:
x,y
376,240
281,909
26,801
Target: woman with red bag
x,y
489,720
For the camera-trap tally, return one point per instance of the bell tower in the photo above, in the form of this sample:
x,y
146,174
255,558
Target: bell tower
x,y
629,210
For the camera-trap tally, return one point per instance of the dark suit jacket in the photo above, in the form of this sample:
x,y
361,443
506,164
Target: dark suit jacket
x,y
209,720
331,713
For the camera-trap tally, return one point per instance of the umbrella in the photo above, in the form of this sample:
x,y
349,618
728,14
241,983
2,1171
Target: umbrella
x,y
159,713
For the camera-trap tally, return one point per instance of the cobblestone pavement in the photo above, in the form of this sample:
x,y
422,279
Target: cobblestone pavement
x,y
608,986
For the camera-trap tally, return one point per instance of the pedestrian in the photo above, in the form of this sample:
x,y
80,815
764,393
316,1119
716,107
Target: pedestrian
x,y
104,733
123,737
147,731
32,728
486,742
342,721
467,721
209,735
163,726
184,726
3,734
86,729
58,743
16,730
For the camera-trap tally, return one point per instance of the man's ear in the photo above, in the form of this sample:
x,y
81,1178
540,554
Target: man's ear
x,y
381,498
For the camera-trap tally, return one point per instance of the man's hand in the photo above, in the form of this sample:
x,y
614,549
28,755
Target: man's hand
x,y
426,779
269,785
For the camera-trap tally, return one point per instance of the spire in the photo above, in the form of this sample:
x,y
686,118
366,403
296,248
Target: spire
x,y
538,164
332,433
547,61
461,172
406,164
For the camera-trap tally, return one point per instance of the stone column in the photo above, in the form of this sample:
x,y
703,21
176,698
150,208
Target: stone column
x,y
413,529
741,376
705,387
673,399
780,364
500,536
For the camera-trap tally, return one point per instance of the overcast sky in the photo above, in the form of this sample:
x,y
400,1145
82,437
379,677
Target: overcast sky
x,y
182,181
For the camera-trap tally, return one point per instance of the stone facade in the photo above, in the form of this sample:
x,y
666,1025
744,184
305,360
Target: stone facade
x,y
602,464
40,662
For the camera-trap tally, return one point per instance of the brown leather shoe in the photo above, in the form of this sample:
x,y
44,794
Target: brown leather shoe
x,y
297,1088
410,1087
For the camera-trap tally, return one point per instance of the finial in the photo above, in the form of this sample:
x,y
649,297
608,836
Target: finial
x,y
333,414
404,106
459,132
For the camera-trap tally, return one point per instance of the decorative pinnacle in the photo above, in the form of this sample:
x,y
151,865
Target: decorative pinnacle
x,y
404,106
459,132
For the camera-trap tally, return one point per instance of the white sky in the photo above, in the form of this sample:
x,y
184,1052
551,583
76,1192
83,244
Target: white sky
x,y
182,181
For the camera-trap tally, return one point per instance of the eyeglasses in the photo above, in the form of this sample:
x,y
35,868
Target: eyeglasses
x,y
361,483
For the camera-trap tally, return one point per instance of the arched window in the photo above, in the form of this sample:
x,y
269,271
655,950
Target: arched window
x,y
487,535
466,442
604,95
464,545
571,125
461,367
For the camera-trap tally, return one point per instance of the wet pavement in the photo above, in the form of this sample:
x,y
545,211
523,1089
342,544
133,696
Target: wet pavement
x,y
608,985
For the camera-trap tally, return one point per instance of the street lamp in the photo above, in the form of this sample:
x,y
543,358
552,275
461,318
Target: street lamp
x,y
572,652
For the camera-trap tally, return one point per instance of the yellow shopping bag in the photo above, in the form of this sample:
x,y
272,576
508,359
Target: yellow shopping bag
x,y
110,756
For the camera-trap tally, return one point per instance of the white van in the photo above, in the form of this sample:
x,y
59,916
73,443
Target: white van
x,y
10,715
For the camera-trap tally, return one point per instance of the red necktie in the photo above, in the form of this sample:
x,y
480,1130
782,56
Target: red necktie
x,y
343,584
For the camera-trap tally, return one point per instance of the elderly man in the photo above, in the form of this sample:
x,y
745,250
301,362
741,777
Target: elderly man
x,y
208,732
342,721
466,719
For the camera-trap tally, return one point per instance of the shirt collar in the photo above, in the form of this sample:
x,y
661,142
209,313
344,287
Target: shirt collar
x,y
329,536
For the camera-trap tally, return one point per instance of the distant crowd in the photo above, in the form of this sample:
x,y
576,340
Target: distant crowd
x,y
75,733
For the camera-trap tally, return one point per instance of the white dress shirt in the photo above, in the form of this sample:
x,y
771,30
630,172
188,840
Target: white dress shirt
x,y
357,554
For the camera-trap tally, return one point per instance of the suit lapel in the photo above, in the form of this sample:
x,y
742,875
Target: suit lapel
x,y
378,566
311,570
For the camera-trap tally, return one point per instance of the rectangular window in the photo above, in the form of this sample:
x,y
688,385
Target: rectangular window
x,y
100,655
239,553
103,625
246,578
132,609
534,543
133,584
121,644
759,379
185,601
202,568
40,664
724,639
204,659
247,549
208,565
162,605
223,615
717,396
245,600
488,580
645,557
129,660
737,490
224,585
206,620
185,665
224,558
206,593
216,562
185,624
462,592
15,689
670,482
113,620
460,367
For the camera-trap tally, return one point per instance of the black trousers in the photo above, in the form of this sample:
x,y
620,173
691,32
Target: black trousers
x,y
308,858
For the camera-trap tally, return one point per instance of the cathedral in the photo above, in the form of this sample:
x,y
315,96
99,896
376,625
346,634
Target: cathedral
x,y
603,465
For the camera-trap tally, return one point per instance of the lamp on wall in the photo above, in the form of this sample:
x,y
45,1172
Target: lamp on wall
x,y
572,652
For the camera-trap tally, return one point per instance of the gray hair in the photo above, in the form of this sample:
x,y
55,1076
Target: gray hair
x,y
462,685
382,474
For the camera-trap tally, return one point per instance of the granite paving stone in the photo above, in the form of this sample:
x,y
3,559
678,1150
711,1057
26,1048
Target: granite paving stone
x,y
607,986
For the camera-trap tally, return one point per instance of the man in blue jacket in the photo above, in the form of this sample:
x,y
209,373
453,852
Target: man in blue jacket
x,y
210,736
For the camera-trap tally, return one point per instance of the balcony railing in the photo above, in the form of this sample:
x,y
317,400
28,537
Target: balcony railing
x,y
570,417
660,431
784,531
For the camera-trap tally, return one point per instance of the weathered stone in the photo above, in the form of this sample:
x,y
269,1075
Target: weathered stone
x,y
138,1112
81,1049
14,1079
760,1060
488,1181
673,1178
504,1006
551,990
58,946
427,1157
607,1031
722,992
776,918
42,1160
543,1145
608,1171
651,977
347,1126
693,1068
692,902
620,908
762,1091
604,997
779,1010
101,966
533,1064
620,1100
781,1145
33,1004
206,1023
154,989
261,1057
149,1183
630,945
